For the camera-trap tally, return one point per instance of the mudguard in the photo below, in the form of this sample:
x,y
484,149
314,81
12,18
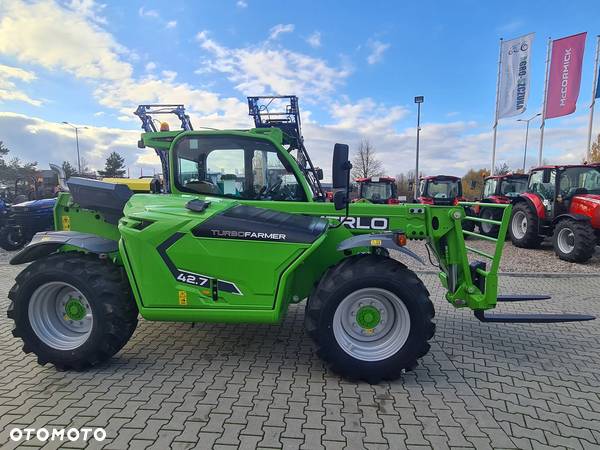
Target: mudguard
x,y
48,242
385,240
577,217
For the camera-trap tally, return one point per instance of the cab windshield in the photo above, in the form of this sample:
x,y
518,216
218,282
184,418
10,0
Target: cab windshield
x,y
512,187
580,180
234,166
442,189
376,191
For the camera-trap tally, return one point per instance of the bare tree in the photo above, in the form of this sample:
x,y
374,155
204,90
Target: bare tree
x,y
365,163
595,151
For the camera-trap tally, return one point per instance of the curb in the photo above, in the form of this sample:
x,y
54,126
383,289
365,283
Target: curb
x,y
530,274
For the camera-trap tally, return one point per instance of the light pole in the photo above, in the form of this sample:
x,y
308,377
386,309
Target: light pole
x,y
418,100
527,136
77,143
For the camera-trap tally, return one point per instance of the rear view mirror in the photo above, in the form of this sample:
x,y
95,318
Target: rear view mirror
x,y
340,173
319,173
340,200
546,176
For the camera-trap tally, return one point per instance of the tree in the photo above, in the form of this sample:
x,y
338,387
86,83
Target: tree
x,y
365,163
595,151
472,183
3,152
68,169
114,166
502,169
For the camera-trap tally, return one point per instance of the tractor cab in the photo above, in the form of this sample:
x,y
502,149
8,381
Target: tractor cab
x,y
440,190
380,190
503,188
562,202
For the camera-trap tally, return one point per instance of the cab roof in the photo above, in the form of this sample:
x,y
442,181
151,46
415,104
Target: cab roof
x,y
441,178
508,175
376,180
565,166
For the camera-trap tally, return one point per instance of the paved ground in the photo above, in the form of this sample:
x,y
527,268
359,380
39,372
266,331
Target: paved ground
x,y
516,259
229,386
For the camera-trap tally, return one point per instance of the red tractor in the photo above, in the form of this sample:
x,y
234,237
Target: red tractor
x,y
378,190
444,190
499,189
440,190
562,202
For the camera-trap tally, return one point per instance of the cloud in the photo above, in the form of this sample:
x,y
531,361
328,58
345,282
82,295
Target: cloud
x,y
85,50
262,69
8,88
377,48
275,31
171,24
241,4
148,13
82,48
16,72
314,40
35,139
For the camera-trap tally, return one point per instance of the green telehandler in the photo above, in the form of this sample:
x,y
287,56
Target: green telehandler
x,y
238,230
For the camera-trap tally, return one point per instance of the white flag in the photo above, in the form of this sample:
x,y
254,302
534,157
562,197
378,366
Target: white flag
x,y
513,89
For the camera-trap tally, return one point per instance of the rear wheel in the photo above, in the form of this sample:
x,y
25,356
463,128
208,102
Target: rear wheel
x,y
488,229
574,240
72,310
371,318
524,226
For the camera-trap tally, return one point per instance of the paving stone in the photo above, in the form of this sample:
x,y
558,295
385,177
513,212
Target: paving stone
x,y
247,386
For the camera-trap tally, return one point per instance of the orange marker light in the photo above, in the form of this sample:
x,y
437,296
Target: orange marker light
x,y
164,126
400,239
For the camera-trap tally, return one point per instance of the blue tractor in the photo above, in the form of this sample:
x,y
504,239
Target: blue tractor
x,y
22,219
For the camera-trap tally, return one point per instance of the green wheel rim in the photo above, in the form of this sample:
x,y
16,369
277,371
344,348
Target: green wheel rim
x,y
368,317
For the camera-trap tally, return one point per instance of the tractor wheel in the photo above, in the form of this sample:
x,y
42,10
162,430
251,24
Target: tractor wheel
x,y
11,238
524,227
371,318
72,310
574,240
488,229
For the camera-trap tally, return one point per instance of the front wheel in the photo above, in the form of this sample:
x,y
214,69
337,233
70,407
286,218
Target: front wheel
x,y
72,310
12,238
371,318
573,240
489,229
523,228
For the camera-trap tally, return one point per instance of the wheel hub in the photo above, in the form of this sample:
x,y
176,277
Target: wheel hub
x,y
74,309
368,317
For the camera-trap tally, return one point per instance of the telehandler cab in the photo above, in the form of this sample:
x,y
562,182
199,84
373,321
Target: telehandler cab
x,y
239,232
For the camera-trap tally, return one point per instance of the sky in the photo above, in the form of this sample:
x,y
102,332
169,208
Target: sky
x,y
355,66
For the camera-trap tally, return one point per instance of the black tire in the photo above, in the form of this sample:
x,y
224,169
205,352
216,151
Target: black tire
x,y
106,291
370,271
12,239
582,241
530,238
488,229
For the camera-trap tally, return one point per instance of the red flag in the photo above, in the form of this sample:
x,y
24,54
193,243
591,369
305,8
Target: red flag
x,y
565,75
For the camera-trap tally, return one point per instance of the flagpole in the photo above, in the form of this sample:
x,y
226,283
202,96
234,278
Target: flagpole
x,y
543,125
588,152
496,113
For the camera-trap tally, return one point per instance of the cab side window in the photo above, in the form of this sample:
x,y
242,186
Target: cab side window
x,y
537,185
